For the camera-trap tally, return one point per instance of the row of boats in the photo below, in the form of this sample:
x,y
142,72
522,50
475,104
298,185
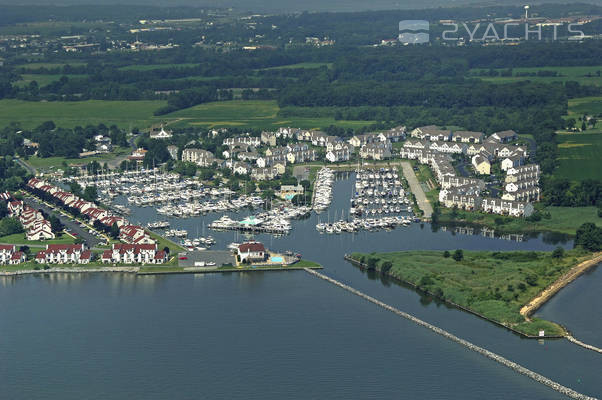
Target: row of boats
x,y
323,189
367,224
195,208
379,192
275,221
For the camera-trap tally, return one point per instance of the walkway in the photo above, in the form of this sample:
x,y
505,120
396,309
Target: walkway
x,y
491,355
415,187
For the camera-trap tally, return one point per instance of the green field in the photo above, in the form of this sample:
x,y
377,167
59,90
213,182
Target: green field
x,y
125,114
493,284
150,67
38,65
308,65
58,162
579,152
44,79
249,113
129,114
577,74
19,238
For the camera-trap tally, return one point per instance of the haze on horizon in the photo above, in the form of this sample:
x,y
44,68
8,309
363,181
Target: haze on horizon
x,y
294,6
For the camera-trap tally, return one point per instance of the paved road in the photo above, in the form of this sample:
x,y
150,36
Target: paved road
x,y
90,239
25,165
415,187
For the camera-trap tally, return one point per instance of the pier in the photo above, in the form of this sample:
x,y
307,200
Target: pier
x,y
493,356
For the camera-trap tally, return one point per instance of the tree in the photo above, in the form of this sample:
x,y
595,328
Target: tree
x,y
458,255
55,224
386,267
583,126
558,252
446,254
114,232
10,226
90,193
589,236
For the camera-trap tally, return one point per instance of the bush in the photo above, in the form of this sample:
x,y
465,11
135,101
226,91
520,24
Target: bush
x,y
446,254
558,252
458,255
386,267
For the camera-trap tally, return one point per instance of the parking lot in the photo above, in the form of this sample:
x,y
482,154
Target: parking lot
x,y
219,257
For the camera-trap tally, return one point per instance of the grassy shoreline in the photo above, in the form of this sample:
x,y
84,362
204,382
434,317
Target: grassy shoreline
x,y
492,285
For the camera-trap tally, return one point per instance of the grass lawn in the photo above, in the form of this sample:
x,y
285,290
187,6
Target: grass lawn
x,y
44,79
19,238
151,67
307,65
493,284
576,74
251,113
57,162
125,114
562,219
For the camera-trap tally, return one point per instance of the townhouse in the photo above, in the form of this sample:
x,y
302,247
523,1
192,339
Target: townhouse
x,y
468,137
463,197
431,132
64,254
506,207
134,254
456,181
242,140
376,151
10,255
134,234
338,155
502,137
200,157
481,165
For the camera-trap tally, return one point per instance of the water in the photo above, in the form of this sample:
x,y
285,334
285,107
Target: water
x,y
278,335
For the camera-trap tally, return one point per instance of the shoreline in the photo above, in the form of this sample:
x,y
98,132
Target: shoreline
x,y
544,296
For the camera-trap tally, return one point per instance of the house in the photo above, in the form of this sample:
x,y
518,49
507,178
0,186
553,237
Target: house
x,y
268,138
251,252
134,254
287,192
202,158
457,181
40,230
242,140
376,151
468,137
173,151
506,207
137,155
64,254
301,156
481,165
17,257
463,197
134,234
6,252
502,137
338,155
264,174
159,132
431,132
511,162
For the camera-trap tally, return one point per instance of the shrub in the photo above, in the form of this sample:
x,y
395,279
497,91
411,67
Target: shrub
x,y
446,254
558,252
386,267
458,255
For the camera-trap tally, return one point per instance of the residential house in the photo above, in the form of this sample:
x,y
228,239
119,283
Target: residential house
x,y
200,157
502,137
264,174
287,192
506,207
481,165
431,132
338,155
6,252
468,137
134,254
173,151
376,151
512,162
243,140
134,234
40,230
463,197
159,132
64,254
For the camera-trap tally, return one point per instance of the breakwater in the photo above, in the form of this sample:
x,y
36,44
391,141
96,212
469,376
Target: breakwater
x,y
493,356
584,345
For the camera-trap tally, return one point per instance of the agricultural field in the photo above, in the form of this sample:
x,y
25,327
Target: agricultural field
x,y
125,114
50,163
151,67
579,152
577,74
44,79
307,65
249,113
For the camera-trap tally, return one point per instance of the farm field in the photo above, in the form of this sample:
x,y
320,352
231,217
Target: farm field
x,y
577,74
150,67
579,152
251,113
301,65
58,162
44,79
125,114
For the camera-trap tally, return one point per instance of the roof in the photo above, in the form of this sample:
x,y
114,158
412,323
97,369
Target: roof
x,y
7,247
249,247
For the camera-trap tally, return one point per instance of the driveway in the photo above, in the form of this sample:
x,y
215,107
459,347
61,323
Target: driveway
x,y
415,187
70,224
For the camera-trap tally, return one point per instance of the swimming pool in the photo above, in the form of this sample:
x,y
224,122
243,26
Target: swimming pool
x,y
277,259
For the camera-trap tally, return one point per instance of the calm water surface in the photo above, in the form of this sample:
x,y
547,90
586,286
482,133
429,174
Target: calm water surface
x,y
278,335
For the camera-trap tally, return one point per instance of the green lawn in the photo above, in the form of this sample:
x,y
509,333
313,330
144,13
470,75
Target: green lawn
x,y
19,238
307,65
57,162
585,105
250,113
44,79
493,284
151,67
126,114
577,74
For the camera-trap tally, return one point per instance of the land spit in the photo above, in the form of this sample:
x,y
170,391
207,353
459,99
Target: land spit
x,y
493,356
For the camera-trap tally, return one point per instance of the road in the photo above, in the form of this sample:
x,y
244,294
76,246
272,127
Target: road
x,y
74,227
415,187
25,165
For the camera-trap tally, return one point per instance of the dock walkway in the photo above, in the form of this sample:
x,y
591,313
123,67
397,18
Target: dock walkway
x,y
415,187
493,356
